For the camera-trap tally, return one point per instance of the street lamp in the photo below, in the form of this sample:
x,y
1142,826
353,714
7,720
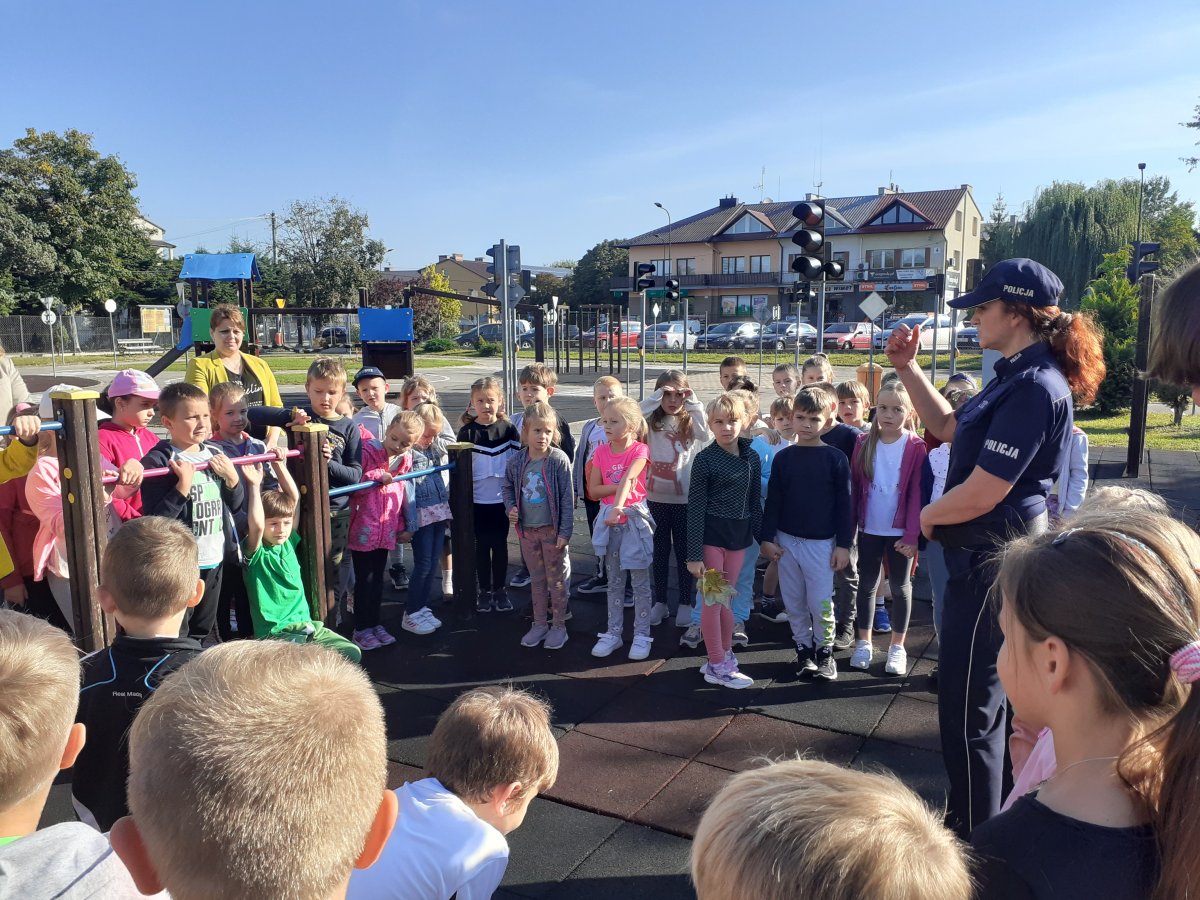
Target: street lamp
x,y
682,296
384,259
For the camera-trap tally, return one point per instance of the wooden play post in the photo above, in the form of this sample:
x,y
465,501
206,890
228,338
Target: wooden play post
x,y
84,516
311,472
462,529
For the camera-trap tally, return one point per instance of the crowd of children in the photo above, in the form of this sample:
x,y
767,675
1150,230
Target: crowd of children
x,y
826,482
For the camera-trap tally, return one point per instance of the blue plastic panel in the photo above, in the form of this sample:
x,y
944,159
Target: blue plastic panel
x,y
385,324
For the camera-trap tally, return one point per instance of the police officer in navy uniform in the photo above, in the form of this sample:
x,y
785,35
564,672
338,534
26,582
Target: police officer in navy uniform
x,y
1009,443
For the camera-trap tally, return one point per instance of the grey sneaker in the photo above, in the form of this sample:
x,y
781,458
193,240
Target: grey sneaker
x,y
535,635
826,665
555,638
844,639
658,612
692,637
806,664
740,638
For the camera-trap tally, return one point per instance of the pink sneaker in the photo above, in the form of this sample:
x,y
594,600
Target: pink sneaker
x,y
383,637
366,639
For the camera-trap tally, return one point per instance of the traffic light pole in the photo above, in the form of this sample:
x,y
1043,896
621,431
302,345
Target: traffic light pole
x,y
642,352
820,318
1141,386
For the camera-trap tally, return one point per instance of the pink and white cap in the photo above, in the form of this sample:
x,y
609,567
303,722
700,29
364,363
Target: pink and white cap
x,y
131,382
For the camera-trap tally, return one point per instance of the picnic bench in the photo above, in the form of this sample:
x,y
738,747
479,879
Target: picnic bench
x,y
136,345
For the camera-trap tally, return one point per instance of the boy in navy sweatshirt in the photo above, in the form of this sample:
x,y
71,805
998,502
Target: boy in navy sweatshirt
x,y
808,528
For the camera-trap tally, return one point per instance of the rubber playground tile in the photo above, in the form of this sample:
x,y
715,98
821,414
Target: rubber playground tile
x,y
615,779
399,773
680,677
409,718
680,726
919,769
677,808
573,834
751,737
919,684
913,723
636,863
853,704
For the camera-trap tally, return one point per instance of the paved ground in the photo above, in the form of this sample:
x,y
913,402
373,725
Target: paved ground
x,y
645,745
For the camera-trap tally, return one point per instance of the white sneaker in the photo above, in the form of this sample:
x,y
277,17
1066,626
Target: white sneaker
x,y
427,614
725,676
606,645
658,612
640,648
416,624
861,656
897,660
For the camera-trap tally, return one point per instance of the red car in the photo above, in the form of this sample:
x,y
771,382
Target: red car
x,y
626,336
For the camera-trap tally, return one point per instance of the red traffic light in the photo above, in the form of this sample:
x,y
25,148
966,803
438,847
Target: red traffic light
x,y
809,212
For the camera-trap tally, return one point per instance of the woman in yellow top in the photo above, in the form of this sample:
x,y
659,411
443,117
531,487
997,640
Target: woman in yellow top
x,y
228,363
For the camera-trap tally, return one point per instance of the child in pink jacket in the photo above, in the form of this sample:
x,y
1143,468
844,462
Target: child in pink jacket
x,y
124,438
378,521
886,475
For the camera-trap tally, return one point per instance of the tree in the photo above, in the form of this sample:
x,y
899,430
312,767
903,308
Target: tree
x,y
592,279
431,315
1001,234
547,286
1192,161
1113,301
324,243
66,221
1069,227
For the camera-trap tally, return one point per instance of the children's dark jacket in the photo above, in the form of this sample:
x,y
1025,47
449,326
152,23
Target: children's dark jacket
x,y
116,682
160,498
345,465
843,437
724,498
808,496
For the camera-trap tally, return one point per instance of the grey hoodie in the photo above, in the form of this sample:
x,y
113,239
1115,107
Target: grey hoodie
x,y
70,860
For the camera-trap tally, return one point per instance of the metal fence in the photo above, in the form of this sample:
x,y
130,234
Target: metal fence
x,y
74,334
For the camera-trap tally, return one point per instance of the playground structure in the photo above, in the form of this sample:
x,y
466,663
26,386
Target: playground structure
x,y
86,523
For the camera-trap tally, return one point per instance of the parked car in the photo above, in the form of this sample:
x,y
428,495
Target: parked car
x,y
745,337
843,336
926,321
626,335
333,336
670,335
570,332
968,338
721,335
492,332
807,336
778,335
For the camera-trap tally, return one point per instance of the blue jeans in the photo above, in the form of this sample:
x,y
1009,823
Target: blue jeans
x,y
427,546
744,589
935,566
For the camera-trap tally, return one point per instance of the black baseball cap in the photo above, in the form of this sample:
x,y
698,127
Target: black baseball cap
x,y
367,372
1014,280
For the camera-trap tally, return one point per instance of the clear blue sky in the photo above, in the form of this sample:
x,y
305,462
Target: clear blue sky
x,y
554,125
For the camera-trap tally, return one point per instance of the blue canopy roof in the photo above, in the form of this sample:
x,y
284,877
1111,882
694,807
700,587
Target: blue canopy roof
x,y
220,267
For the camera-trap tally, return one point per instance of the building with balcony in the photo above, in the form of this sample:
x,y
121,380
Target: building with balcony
x,y
736,256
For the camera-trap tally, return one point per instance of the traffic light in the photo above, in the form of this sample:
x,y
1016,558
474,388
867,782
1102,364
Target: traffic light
x,y
834,271
810,238
672,292
975,269
939,284
527,280
493,287
1140,265
514,260
641,275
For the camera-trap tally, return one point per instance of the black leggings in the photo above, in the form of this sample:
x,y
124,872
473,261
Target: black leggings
x,y
670,527
369,569
491,545
871,552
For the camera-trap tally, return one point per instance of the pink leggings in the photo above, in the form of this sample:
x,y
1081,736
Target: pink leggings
x,y
716,621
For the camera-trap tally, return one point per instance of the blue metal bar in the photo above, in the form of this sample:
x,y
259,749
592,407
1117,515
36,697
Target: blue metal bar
x,y
46,426
366,485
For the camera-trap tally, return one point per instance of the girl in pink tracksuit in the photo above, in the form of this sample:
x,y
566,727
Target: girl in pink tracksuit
x,y
124,439
378,521
886,474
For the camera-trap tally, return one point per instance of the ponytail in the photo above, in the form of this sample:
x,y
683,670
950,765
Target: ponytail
x,y
1176,824
1074,340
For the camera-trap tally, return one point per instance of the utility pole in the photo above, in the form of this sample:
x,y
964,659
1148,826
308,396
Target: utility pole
x,y
274,248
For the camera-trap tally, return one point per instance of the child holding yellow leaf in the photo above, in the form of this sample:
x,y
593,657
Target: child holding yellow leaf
x,y
724,518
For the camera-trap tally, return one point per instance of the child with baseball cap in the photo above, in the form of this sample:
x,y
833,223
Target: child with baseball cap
x,y
377,413
125,438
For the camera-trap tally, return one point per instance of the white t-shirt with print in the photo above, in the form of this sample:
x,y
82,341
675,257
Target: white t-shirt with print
x,y
884,493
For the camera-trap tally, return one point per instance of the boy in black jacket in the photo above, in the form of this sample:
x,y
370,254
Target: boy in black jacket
x,y
148,583
206,500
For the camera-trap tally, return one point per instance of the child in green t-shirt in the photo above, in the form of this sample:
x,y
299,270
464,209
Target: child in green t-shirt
x,y
278,604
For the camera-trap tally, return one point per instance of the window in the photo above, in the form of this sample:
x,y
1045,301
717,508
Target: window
x,y
913,258
974,226
760,264
898,214
881,259
958,220
747,224
733,265
662,267
685,266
